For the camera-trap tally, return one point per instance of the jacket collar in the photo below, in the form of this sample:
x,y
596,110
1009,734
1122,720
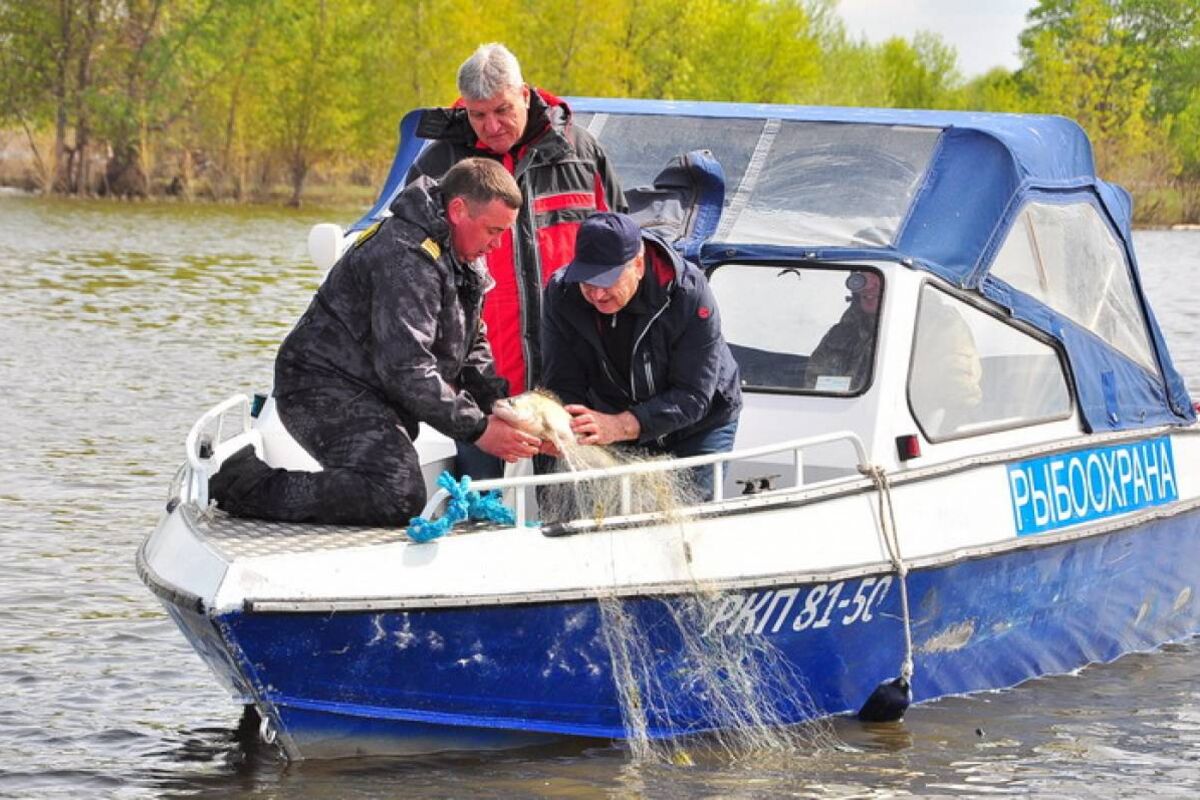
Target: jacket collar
x,y
549,117
421,205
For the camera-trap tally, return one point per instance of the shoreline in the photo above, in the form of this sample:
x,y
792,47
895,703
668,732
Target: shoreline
x,y
352,201
349,200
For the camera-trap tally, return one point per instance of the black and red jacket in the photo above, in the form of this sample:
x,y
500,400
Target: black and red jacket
x,y
564,177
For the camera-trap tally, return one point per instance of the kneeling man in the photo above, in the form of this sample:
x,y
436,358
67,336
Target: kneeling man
x,y
392,338
632,343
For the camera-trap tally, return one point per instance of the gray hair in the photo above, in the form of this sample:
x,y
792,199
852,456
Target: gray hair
x,y
490,69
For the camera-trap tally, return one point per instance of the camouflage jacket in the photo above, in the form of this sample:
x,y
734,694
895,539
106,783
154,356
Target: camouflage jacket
x,y
400,317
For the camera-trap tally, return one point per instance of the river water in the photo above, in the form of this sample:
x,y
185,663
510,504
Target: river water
x,y
122,323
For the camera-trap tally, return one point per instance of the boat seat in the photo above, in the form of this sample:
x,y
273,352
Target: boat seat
x,y
435,451
280,449
769,368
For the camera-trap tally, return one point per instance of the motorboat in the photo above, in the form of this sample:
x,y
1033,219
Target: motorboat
x,y
997,489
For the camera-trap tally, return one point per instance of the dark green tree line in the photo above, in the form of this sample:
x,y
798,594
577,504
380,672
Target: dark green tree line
x,y
226,98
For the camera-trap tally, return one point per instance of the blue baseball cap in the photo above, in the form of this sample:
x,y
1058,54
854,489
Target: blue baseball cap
x,y
606,242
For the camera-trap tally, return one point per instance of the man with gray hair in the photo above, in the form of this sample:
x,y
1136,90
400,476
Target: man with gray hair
x,y
564,178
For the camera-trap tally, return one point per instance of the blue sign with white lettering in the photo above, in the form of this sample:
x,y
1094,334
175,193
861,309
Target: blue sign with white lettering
x,y
1071,488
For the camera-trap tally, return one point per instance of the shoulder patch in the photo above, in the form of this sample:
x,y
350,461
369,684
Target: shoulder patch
x,y
432,249
368,233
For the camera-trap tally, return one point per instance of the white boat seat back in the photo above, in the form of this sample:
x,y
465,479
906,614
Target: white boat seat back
x,y
279,448
435,451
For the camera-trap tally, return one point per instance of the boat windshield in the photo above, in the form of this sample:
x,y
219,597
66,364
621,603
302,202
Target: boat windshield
x,y
800,329
788,182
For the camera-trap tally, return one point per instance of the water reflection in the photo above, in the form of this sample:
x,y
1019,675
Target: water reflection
x,y
122,322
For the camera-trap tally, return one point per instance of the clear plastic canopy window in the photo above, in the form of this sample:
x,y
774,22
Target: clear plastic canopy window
x,y
786,182
972,373
1066,257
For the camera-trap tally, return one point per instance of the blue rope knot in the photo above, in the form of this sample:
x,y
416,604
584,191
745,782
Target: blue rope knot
x,y
464,503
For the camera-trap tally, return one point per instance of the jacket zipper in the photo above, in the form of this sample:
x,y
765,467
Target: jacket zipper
x,y
523,309
633,354
610,376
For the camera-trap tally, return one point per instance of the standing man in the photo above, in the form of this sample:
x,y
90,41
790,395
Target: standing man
x,y
632,343
564,177
392,338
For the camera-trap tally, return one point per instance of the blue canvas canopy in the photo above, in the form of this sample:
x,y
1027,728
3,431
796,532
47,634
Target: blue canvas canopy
x,y
937,191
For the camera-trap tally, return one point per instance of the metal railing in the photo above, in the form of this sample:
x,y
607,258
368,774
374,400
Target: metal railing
x,y
195,487
195,484
627,472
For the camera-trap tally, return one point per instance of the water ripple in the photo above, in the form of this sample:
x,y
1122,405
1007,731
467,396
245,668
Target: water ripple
x,y
122,322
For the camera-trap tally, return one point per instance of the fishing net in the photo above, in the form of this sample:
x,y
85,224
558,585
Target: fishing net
x,y
689,689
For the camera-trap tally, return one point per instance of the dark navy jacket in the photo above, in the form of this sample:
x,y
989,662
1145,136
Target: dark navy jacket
x,y
682,378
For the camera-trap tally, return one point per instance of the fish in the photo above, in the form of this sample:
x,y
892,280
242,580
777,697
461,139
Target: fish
x,y
539,413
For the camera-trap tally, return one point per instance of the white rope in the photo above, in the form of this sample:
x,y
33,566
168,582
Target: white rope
x,y
887,525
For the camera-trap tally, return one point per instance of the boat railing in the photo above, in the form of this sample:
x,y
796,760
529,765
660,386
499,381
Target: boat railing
x,y
213,436
626,473
205,439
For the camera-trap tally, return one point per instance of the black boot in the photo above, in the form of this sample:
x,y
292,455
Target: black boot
x,y
236,478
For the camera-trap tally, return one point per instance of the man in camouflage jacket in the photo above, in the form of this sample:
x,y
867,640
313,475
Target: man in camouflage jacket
x,y
392,338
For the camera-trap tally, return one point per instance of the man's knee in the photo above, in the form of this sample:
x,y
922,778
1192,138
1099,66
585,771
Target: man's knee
x,y
405,501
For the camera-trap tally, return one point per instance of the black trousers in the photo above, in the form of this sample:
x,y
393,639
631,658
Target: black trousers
x,y
370,471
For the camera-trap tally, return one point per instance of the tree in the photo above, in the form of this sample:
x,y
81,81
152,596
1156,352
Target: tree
x,y
52,44
156,68
221,123
304,95
996,90
919,75
758,52
1168,34
1080,62
29,61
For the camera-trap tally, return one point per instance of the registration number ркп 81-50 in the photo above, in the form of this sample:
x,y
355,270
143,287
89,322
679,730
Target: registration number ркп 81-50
x,y
845,602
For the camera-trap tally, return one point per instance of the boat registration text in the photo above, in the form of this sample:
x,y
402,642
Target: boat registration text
x,y
825,604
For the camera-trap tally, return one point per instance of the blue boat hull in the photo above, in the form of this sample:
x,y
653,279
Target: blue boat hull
x,y
348,682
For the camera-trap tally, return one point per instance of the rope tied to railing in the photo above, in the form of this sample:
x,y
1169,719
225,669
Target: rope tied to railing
x,y
891,699
463,503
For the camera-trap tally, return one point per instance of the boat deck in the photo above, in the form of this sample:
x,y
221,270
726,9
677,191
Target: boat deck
x,y
235,538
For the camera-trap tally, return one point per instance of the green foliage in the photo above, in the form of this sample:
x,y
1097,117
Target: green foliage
x,y
29,59
1082,63
919,74
996,90
1185,134
229,97
1167,32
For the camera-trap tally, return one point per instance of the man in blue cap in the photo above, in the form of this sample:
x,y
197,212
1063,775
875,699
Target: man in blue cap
x,y
632,343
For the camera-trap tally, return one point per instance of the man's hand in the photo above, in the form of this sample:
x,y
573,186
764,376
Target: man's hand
x,y
506,442
595,427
